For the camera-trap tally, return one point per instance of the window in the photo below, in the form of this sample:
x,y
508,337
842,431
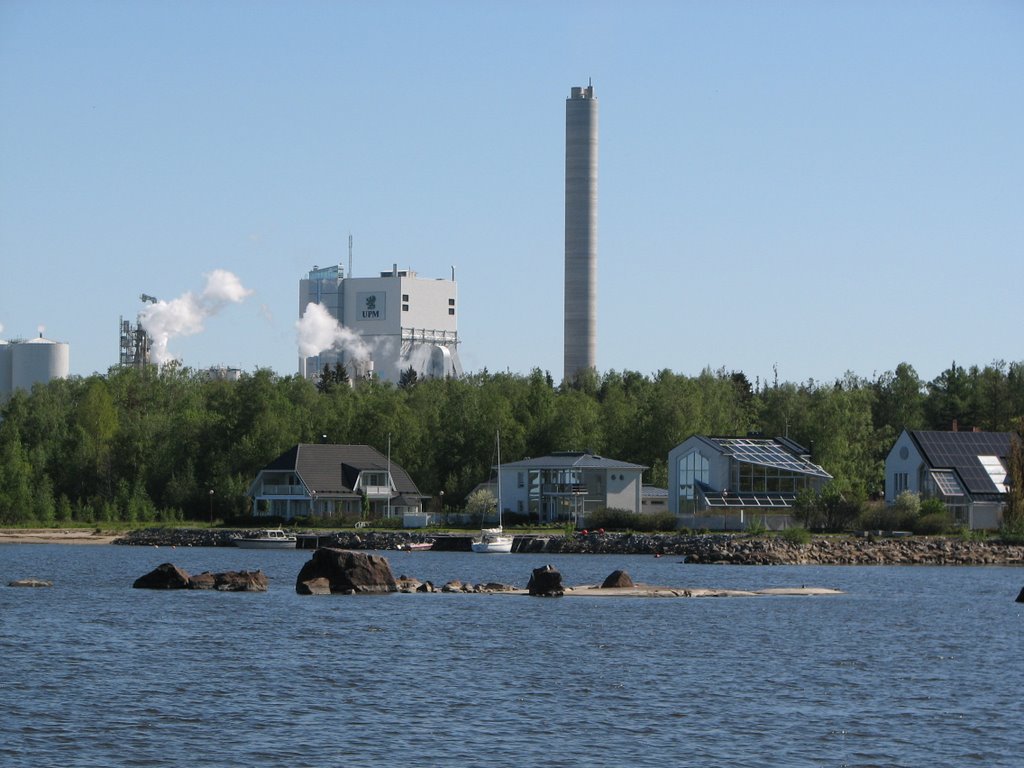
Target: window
x,y
451,302
405,307
899,483
451,310
521,481
405,297
693,468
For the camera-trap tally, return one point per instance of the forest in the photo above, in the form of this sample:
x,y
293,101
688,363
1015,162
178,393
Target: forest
x,y
149,445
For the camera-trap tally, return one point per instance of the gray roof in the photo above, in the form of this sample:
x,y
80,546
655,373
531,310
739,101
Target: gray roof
x,y
572,460
331,469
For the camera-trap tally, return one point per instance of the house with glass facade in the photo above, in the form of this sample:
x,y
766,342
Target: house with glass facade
x,y
723,483
967,471
565,486
343,482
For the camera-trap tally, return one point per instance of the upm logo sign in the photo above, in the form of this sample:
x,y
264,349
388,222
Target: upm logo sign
x,y
371,305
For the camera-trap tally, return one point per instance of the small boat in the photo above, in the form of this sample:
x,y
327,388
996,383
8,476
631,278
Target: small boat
x,y
494,540
416,546
269,538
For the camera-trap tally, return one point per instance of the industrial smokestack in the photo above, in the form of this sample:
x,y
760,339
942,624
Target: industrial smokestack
x,y
580,338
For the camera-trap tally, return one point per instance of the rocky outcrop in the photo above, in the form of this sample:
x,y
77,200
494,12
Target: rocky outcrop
x,y
170,576
618,580
346,573
230,581
546,582
30,583
164,576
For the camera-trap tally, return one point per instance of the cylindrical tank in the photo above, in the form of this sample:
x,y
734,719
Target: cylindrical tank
x,y
38,360
5,369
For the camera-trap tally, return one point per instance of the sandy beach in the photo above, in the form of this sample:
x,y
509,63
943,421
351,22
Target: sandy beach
x,y
55,536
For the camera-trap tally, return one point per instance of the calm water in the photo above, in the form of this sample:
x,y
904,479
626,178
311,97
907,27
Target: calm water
x,y
911,667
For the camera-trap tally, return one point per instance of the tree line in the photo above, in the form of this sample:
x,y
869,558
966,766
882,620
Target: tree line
x,y
148,445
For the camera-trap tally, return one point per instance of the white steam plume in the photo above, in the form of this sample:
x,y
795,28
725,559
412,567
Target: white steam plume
x,y
184,316
318,331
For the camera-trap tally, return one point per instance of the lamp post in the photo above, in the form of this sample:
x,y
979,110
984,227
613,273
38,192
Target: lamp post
x,y
211,507
442,505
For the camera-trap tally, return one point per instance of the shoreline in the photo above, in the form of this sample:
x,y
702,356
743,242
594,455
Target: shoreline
x,y
87,536
712,548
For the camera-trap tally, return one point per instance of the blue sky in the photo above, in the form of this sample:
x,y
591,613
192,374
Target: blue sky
x,y
818,186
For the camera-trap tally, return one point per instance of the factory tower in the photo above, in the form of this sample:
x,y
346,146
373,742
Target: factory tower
x,y
580,338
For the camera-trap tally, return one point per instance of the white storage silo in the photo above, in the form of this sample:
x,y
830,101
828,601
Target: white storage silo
x,y
38,360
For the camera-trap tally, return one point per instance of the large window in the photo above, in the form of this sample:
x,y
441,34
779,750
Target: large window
x,y
693,468
761,478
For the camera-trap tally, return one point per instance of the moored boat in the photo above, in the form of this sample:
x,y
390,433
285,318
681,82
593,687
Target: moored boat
x,y
269,538
416,546
494,540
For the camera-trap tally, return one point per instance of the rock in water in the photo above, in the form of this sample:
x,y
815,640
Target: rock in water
x,y
346,573
166,576
36,583
1020,597
618,580
546,582
230,581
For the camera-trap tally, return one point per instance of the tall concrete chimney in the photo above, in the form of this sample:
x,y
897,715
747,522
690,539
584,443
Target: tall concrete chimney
x,y
580,338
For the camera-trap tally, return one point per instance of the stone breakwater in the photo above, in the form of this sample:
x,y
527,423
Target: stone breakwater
x,y
735,549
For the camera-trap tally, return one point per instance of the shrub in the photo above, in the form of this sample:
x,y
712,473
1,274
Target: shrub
x,y
933,523
624,520
796,535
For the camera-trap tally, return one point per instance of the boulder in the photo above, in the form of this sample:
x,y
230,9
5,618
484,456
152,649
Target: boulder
x,y
230,581
165,576
347,573
317,586
35,583
618,580
546,582
452,586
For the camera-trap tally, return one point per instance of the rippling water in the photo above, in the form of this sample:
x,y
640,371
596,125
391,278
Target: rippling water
x,y
910,667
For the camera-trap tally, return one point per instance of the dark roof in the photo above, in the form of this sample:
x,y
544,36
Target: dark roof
x,y
573,459
331,469
960,451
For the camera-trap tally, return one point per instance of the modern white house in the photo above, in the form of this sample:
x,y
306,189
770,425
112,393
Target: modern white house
x,y
724,483
567,485
351,482
967,471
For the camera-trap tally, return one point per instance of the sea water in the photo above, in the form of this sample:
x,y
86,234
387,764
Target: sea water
x,y
910,666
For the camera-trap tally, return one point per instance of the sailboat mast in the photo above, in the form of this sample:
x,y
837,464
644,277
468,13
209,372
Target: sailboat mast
x,y
497,440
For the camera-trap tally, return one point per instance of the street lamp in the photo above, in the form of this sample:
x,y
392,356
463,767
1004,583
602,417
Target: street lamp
x,y
211,507
442,505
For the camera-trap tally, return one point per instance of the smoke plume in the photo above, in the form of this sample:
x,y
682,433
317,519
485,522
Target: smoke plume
x,y
185,315
318,331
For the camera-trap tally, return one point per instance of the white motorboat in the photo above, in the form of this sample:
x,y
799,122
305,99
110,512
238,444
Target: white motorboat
x,y
494,540
269,538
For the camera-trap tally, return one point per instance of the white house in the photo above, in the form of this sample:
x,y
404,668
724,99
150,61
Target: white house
x,y
967,471
725,482
567,485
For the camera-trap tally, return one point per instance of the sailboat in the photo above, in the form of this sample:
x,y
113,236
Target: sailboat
x,y
494,540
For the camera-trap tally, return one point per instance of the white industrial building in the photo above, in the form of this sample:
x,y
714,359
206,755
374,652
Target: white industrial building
x,y
24,363
388,324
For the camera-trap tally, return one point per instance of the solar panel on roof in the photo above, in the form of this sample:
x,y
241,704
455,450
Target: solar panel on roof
x,y
770,454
